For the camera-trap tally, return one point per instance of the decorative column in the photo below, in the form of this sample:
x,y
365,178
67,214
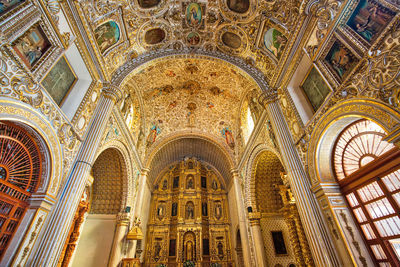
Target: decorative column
x,y
119,237
242,219
138,206
54,235
261,258
320,241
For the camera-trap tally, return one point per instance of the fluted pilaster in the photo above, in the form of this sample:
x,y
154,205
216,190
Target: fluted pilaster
x,y
261,258
56,228
321,245
242,219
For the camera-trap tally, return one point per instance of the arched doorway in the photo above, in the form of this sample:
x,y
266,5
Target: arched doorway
x,y
20,175
105,202
189,217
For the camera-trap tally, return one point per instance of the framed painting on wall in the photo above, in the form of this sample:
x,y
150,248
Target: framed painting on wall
x,y
8,5
369,19
339,59
31,46
271,39
60,80
315,88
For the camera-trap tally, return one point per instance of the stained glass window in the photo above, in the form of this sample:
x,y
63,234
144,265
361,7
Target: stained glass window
x,y
368,171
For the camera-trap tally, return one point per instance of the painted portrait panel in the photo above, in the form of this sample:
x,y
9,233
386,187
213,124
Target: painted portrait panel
x,y
7,5
369,19
193,38
60,80
31,46
275,42
193,15
148,3
340,60
315,88
238,6
107,35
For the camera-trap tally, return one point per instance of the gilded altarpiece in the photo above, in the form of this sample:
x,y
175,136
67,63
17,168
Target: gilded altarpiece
x,y
189,219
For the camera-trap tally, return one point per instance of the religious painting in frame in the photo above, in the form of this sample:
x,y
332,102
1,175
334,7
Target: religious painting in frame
x,y
110,32
339,59
315,88
7,6
279,243
32,46
369,19
194,15
60,80
271,39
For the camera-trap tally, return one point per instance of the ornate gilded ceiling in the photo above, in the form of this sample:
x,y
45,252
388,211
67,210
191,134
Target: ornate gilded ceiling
x,y
181,94
257,31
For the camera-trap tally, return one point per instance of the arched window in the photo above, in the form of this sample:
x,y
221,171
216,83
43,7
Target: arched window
x,y
368,171
20,170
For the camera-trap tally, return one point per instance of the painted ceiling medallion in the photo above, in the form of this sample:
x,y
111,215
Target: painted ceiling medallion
x,y
232,39
154,36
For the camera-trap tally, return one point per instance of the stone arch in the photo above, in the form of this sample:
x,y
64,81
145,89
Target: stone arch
x,y
331,125
249,180
51,176
128,179
318,161
170,149
125,70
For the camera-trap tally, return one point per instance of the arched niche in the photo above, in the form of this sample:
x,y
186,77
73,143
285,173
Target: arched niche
x,y
108,200
41,201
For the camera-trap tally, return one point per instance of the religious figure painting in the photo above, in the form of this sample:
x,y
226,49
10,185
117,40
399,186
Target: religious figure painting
x,y
154,132
31,46
193,38
193,15
60,80
7,5
369,19
238,6
315,88
340,59
275,42
107,35
227,133
148,3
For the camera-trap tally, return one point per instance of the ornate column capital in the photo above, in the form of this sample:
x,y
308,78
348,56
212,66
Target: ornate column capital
x,y
123,218
268,96
112,92
254,218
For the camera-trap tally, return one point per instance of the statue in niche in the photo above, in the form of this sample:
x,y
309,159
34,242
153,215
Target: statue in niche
x,y
189,211
204,209
165,184
160,211
214,185
218,210
174,211
157,250
190,184
220,249
176,182
189,251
